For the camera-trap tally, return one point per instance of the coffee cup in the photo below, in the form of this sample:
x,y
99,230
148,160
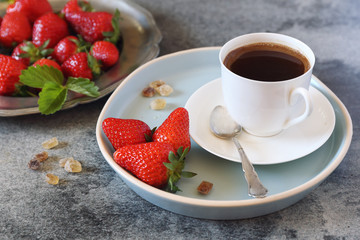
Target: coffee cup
x,y
265,81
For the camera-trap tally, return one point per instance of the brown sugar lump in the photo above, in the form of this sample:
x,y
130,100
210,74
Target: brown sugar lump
x,y
42,156
72,166
158,104
52,179
34,164
148,92
63,161
51,143
156,84
205,187
164,90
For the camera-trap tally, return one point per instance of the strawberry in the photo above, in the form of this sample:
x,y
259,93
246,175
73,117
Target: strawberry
x,y
175,129
122,132
67,47
91,25
28,53
17,52
32,9
49,26
154,163
80,65
10,70
145,161
15,28
48,62
106,52
64,49
77,6
71,6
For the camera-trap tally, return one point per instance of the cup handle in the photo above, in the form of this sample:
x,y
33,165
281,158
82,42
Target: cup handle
x,y
308,106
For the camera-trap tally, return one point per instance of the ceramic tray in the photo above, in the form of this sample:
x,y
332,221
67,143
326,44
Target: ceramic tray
x,y
140,35
187,71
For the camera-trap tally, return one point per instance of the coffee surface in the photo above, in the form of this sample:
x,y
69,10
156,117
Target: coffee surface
x,y
266,62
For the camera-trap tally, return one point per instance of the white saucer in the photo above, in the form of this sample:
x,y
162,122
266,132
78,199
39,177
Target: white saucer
x,y
290,144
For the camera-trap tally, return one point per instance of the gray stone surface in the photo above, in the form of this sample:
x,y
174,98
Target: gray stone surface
x,y
96,204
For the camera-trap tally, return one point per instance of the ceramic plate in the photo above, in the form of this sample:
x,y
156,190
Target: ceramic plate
x,y
290,144
140,44
187,71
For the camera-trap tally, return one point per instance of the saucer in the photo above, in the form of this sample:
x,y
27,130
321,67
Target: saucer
x,y
292,143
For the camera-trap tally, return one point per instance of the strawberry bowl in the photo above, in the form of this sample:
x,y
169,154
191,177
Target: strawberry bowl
x,y
140,38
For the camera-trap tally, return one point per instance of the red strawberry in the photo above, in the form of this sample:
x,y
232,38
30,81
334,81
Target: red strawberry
x,y
28,53
15,28
146,161
122,132
154,163
49,26
175,129
77,6
71,6
32,9
77,66
90,25
106,52
48,62
69,46
16,54
65,48
10,70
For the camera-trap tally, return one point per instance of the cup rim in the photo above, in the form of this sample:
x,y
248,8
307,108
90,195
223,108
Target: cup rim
x,y
301,44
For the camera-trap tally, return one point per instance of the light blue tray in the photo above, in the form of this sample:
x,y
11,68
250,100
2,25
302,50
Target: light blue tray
x,y
289,182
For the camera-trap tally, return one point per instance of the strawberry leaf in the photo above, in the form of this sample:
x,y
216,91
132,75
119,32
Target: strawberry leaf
x,y
148,138
22,91
94,65
83,85
172,158
86,7
81,44
53,94
175,168
52,97
180,151
114,36
8,1
35,53
169,166
46,52
186,174
36,77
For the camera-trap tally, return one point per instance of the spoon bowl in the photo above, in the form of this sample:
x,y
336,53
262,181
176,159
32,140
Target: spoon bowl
x,y
223,126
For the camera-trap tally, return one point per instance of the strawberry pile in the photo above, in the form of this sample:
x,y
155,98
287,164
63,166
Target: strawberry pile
x,y
50,53
154,156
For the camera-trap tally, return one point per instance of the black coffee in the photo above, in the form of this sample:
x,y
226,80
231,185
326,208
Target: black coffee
x,y
266,62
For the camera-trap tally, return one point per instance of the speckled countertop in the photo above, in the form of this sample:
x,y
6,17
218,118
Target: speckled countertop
x,y
97,204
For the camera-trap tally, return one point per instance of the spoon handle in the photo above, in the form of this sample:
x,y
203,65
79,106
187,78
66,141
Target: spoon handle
x,y
256,189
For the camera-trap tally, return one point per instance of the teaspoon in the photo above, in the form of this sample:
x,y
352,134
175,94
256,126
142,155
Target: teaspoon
x,y
223,126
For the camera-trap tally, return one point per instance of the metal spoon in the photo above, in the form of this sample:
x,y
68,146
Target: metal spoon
x,y
223,126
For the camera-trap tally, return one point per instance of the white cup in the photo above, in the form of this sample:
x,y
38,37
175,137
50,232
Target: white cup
x,y
265,108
